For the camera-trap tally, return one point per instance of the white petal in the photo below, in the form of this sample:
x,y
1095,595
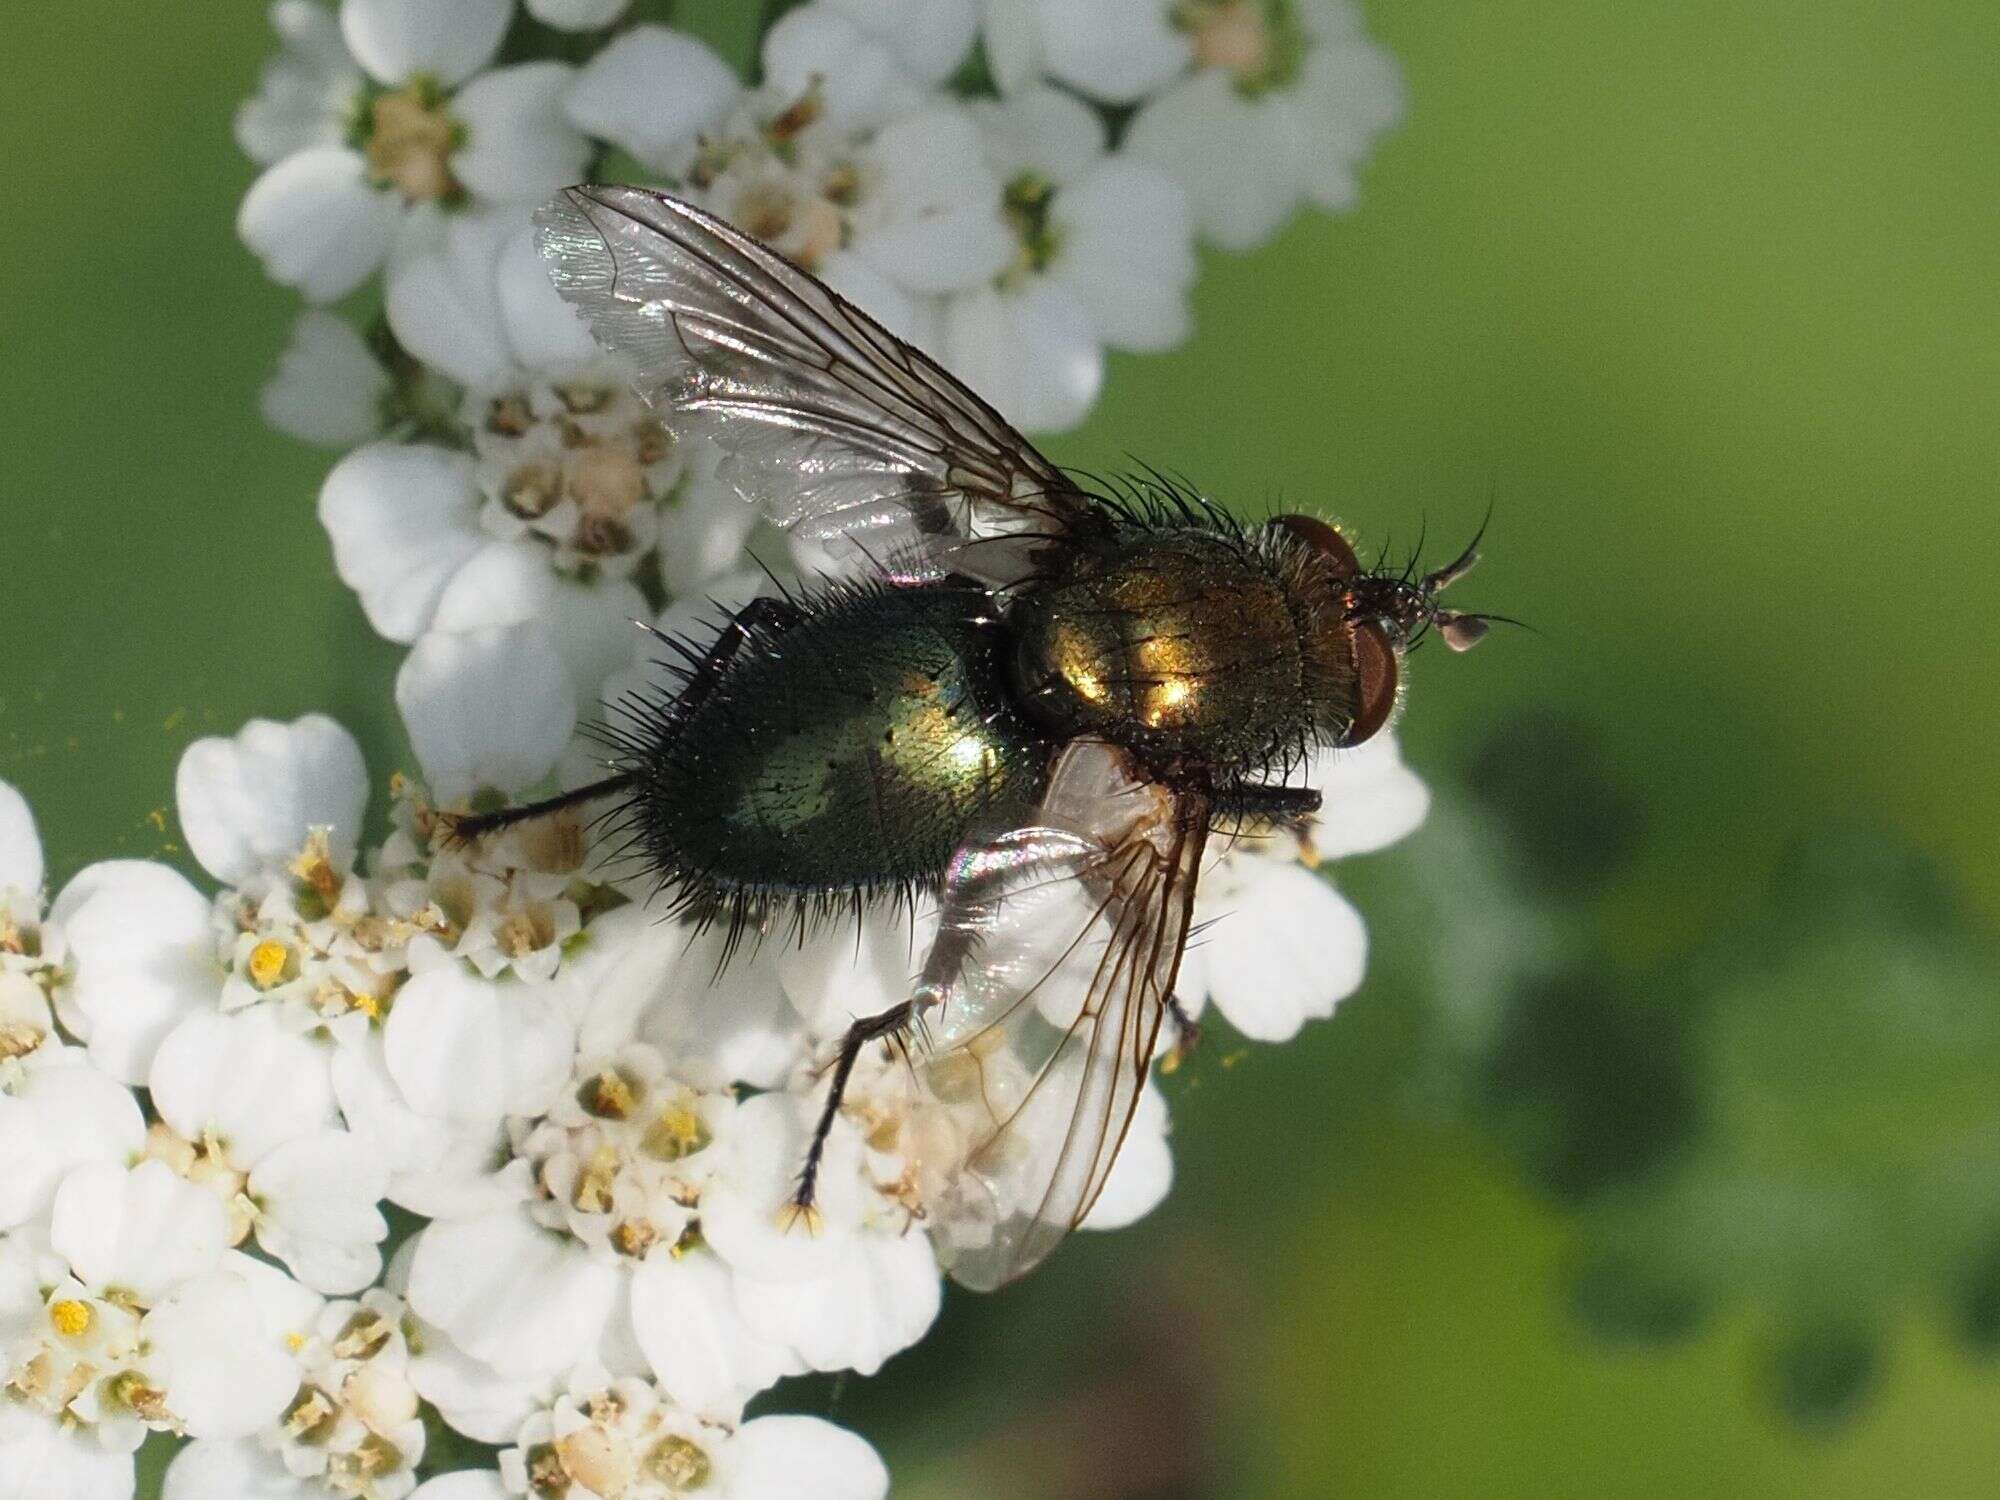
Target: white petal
x,y
545,332
934,222
487,708
860,81
930,38
789,1458
518,145
1128,250
1370,798
704,524
283,1306
141,1230
837,976
880,1299
442,296
1143,1170
466,1484
440,1168
56,1118
403,517
577,15
1010,34
20,846
39,1458
318,1197
468,1049
1033,353
504,583
327,389
1115,50
305,92
704,1356
1233,157
447,39
510,1293
223,1378
1041,130
651,92
141,956
1289,950
207,1469
735,1020
248,1079
246,803
591,626
316,223
474,1398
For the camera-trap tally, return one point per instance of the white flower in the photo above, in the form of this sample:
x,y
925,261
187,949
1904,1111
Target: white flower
x,y
31,949
62,1113
328,388
1103,255
843,162
353,1426
1284,102
247,803
651,92
1277,945
128,1318
247,1112
305,91
849,1287
929,38
140,957
630,1439
351,156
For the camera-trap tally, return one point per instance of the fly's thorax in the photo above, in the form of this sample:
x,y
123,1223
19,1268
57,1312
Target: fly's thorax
x,y
1184,642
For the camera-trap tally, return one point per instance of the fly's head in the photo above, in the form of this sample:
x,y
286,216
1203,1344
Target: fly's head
x,y
1369,619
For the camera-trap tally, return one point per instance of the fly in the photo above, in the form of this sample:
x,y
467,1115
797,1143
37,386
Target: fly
x,y
1038,701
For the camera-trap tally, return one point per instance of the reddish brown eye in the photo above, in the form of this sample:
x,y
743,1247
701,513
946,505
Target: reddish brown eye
x,y
1324,540
1374,681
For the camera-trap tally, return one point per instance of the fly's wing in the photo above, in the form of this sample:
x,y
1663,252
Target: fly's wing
x,y
837,428
1040,1005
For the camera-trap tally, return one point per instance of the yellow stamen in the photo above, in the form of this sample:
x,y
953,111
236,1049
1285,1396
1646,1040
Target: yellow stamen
x,y
71,1317
267,963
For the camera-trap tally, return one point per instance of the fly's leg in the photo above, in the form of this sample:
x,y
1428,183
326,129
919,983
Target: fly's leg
x,y
1187,1035
761,613
891,1022
1290,808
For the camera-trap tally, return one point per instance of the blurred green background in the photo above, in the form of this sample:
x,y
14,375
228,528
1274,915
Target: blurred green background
x,y
1702,298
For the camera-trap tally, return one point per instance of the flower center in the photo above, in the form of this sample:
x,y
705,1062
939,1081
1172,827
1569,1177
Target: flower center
x,y
268,962
679,1464
408,137
1258,43
72,1318
1026,203
612,1155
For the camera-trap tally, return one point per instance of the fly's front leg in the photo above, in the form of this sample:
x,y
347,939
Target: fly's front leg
x,y
761,613
1291,808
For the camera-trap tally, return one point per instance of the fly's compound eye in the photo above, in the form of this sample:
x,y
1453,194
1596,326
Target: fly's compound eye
x,y
1324,540
1374,681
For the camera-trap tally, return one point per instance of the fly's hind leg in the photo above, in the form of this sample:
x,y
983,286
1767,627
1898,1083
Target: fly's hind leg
x,y
762,613
889,1023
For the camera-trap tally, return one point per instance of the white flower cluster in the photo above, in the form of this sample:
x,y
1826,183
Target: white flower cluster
x,y
214,1104
207,1102
1014,185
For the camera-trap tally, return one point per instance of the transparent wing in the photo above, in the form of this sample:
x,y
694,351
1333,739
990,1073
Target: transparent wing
x,y
1042,1002
836,427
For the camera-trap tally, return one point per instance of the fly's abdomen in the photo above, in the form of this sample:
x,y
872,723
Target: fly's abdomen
x,y
854,751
